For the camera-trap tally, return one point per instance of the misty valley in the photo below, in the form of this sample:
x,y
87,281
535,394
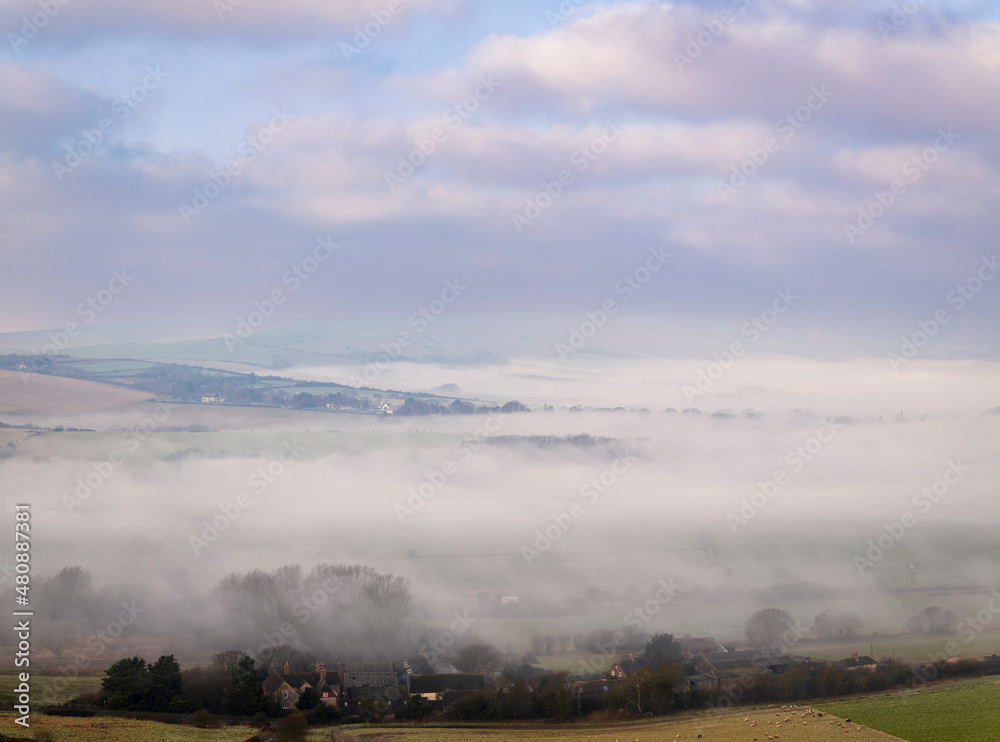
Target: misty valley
x,y
593,551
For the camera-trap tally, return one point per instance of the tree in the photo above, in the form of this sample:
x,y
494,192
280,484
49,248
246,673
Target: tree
x,y
207,688
416,707
552,699
932,620
225,662
308,699
126,684
164,682
661,688
765,628
632,691
477,657
647,690
248,690
274,659
663,649
292,729
829,625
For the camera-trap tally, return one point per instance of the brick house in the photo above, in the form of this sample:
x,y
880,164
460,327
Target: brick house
x,y
287,686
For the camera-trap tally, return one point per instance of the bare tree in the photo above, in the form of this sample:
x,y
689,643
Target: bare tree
x,y
765,628
274,659
225,662
933,620
478,657
830,625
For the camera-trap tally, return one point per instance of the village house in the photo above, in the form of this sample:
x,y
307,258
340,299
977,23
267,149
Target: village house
x,y
369,681
442,689
858,662
753,660
591,690
692,646
626,668
287,686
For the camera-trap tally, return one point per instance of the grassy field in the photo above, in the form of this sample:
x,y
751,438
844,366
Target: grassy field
x,y
53,689
729,726
52,394
905,647
725,727
964,712
112,729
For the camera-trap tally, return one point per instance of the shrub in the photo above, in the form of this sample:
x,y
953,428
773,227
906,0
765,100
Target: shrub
x,y
292,729
68,711
322,714
204,719
416,707
87,699
474,707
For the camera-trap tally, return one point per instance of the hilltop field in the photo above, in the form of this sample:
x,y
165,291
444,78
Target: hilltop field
x,y
946,712
22,394
962,712
726,726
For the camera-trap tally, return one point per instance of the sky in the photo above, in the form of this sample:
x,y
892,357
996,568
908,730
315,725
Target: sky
x,y
535,152
812,181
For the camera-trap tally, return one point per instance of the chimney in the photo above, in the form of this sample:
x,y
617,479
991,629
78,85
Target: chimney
x,y
287,669
321,669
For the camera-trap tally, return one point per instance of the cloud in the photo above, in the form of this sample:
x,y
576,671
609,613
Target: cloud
x,y
197,18
682,60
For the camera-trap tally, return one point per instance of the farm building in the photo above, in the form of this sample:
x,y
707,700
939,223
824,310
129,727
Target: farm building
x,y
287,686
